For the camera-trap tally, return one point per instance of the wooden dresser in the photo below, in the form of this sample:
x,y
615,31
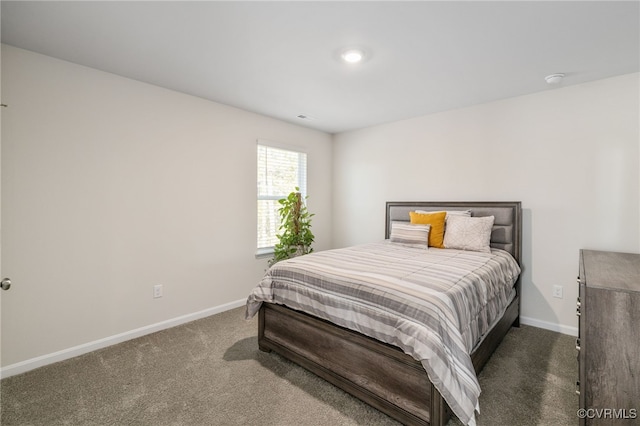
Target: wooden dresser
x,y
608,341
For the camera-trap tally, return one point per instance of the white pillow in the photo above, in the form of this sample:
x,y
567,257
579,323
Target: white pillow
x,y
469,233
406,233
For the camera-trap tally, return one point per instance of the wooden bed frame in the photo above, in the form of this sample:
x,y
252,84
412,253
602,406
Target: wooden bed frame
x,y
377,373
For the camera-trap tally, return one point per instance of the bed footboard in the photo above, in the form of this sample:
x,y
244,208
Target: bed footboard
x,y
377,373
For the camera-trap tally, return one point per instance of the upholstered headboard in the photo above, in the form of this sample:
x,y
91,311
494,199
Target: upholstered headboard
x,y
507,226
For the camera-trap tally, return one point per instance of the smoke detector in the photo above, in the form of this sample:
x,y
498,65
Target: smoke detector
x,y
554,78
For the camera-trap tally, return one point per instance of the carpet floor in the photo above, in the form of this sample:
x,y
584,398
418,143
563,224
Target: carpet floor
x,y
210,372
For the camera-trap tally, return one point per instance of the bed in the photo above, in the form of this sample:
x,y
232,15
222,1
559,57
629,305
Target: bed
x,y
366,362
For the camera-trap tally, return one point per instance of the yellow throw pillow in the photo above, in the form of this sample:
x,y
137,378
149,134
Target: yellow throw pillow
x,y
436,220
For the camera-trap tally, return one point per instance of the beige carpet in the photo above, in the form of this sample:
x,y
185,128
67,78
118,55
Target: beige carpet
x,y
210,372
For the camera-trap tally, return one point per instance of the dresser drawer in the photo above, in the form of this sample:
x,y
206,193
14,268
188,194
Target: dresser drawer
x,y
608,309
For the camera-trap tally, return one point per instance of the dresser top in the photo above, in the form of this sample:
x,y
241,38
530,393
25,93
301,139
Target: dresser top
x,y
606,269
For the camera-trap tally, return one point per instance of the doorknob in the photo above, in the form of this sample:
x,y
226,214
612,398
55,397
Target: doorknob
x,y
5,284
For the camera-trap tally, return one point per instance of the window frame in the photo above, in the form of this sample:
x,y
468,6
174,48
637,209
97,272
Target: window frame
x,y
302,181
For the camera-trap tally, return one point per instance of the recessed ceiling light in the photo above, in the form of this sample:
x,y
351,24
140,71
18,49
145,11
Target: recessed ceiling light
x,y
352,56
554,78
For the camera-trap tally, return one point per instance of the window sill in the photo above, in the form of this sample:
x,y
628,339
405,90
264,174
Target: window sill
x,y
263,253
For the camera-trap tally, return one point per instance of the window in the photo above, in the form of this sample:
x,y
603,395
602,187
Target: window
x,y
280,171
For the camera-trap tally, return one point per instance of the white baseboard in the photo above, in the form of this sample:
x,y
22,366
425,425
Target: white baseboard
x,y
41,361
33,363
564,329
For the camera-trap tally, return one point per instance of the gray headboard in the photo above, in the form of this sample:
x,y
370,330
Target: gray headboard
x,y
507,227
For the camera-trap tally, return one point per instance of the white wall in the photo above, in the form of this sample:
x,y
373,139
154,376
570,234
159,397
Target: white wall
x,y
110,186
571,155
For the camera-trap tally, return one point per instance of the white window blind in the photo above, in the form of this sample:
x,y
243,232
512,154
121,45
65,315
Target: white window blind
x,y
280,171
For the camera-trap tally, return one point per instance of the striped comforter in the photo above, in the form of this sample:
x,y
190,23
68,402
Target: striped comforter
x,y
434,304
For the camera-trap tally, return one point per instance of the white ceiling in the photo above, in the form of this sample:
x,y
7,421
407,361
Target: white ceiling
x,y
281,58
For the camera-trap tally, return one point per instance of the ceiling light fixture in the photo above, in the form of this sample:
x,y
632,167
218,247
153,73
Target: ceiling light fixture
x,y
352,56
554,78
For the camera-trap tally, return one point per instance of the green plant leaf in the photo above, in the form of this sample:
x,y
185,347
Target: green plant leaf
x,y
295,222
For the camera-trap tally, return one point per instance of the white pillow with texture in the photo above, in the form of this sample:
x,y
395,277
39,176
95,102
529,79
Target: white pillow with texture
x,y
406,233
469,233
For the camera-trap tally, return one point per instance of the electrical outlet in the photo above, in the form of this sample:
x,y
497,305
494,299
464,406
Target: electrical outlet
x,y
157,291
557,291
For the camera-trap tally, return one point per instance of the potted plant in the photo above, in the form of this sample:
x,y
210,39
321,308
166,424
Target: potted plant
x,y
295,224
